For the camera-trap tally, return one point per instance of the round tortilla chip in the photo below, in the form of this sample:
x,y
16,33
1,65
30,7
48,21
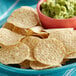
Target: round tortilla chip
x,y
39,66
31,41
14,54
24,17
71,44
8,37
49,52
25,64
67,37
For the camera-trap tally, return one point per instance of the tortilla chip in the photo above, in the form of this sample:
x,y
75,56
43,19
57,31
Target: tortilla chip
x,y
41,35
28,31
64,61
8,37
24,17
66,36
39,66
19,31
25,64
37,31
31,41
14,54
8,26
71,45
71,55
34,31
60,29
49,51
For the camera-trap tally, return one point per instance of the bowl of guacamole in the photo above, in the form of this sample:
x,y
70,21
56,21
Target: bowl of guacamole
x,y
57,13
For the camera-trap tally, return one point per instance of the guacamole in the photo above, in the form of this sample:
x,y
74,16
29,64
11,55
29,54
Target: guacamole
x,y
59,9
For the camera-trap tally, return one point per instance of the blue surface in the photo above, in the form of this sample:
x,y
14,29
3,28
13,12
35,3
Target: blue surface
x,y
68,70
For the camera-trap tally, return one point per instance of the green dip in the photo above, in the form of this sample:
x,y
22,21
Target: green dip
x,y
59,9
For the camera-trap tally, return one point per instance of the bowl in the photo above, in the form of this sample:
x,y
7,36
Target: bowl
x,y
68,70
48,22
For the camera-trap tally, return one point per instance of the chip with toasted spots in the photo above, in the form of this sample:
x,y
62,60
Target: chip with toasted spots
x,y
34,31
14,54
67,37
39,66
64,61
19,31
14,28
8,26
49,51
37,31
8,37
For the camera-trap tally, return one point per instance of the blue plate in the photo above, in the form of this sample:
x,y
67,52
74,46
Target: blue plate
x,y
68,70
6,8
